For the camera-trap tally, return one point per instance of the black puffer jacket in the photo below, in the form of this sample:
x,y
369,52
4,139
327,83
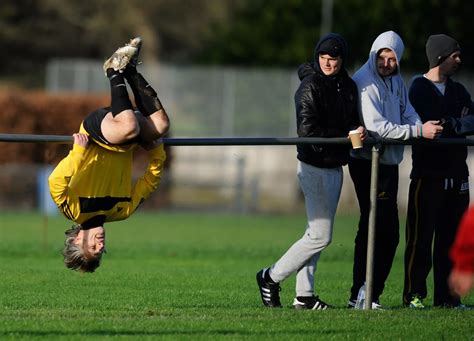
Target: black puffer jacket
x,y
326,106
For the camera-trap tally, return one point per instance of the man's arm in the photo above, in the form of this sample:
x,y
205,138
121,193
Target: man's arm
x,y
409,114
462,256
151,179
463,125
462,251
382,122
379,122
65,170
460,126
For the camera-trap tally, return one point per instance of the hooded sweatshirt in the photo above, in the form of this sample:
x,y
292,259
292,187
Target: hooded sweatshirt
x,y
326,106
383,102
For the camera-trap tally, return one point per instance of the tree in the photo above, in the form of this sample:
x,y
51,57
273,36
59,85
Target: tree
x,y
279,32
245,32
34,31
284,32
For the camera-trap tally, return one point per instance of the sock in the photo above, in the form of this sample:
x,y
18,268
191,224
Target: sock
x,y
267,277
119,94
305,299
130,74
146,97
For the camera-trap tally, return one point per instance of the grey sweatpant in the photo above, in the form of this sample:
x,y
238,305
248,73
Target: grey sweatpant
x,y
321,188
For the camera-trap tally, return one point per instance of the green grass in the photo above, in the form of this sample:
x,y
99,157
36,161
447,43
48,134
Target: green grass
x,y
192,276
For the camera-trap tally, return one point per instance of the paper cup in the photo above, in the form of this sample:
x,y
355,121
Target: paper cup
x,y
354,135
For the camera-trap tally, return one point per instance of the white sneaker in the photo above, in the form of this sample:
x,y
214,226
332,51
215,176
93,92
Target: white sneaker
x,y
375,305
123,56
137,43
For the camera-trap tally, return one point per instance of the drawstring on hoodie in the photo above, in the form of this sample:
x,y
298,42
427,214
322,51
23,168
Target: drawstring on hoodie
x,y
386,85
448,184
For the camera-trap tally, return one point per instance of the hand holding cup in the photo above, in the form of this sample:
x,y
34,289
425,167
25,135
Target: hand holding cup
x,y
356,138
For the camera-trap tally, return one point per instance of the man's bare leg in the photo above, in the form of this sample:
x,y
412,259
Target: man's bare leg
x,y
154,126
120,128
120,124
153,121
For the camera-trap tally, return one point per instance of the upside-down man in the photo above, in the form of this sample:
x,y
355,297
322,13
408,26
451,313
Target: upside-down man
x,y
93,184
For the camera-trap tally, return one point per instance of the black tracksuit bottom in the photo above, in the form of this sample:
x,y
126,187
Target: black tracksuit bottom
x,y
435,207
386,227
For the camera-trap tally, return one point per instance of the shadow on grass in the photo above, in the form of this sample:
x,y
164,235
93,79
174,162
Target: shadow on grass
x,y
174,332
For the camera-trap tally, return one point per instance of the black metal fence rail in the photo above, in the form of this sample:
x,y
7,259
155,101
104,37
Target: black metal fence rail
x,y
246,141
376,144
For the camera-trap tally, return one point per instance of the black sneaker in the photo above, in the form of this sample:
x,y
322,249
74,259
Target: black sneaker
x,y
351,304
455,305
313,303
270,292
461,306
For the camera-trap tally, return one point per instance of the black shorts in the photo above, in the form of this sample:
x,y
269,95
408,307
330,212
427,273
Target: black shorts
x,y
92,124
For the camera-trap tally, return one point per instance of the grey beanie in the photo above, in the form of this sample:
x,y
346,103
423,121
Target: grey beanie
x,y
439,47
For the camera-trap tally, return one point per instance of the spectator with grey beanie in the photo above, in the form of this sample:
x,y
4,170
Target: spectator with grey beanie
x,y
439,187
439,47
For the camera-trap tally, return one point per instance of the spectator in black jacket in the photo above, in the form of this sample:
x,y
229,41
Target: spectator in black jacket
x,y
439,188
326,106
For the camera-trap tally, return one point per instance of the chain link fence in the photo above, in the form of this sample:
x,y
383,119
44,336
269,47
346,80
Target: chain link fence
x,y
215,102
203,101
219,101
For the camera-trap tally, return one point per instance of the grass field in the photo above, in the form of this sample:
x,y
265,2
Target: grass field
x,y
192,276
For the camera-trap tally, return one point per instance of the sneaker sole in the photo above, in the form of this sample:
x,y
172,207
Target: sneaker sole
x,y
120,59
299,307
136,43
303,307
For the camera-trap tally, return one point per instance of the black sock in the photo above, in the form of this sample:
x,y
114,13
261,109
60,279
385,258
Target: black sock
x,y
130,74
305,299
146,97
267,278
118,92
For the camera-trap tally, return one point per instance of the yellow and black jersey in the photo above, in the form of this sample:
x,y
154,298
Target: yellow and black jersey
x,y
95,183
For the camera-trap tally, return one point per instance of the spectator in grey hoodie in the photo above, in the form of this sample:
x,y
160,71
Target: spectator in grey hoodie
x,y
386,112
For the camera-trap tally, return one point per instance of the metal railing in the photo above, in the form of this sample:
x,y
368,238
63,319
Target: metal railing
x,y
376,144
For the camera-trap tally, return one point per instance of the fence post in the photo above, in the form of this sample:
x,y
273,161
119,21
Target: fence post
x,y
228,104
371,231
239,186
46,204
291,112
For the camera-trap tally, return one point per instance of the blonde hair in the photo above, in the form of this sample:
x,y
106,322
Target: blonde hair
x,y
74,257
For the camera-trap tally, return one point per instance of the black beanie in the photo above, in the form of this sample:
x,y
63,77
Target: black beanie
x,y
439,47
332,47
